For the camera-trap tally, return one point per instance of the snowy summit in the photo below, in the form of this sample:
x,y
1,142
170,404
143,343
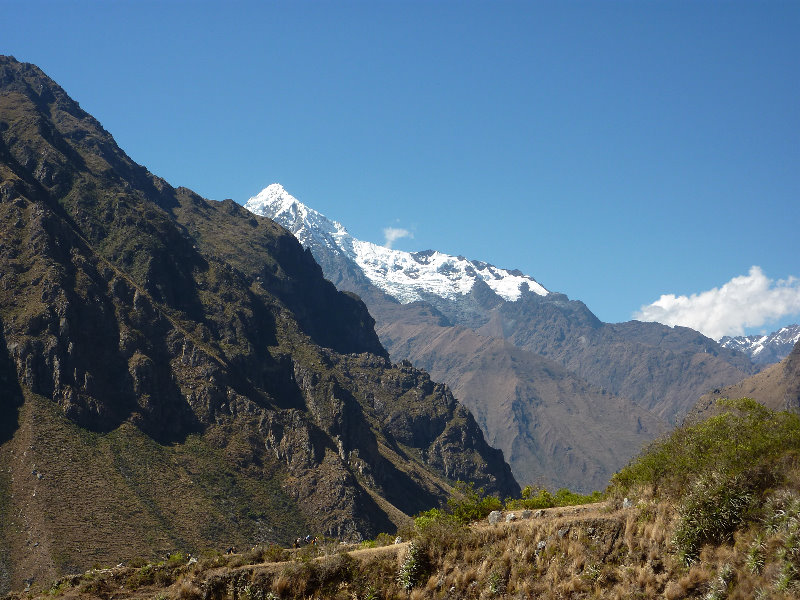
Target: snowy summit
x,y
765,349
406,276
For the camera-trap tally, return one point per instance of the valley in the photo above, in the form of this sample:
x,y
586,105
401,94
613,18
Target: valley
x,y
180,376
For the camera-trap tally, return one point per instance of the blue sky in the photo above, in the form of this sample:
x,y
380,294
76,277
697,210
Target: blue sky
x,y
615,151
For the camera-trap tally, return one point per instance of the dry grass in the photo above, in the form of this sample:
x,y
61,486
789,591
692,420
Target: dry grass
x,y
594,553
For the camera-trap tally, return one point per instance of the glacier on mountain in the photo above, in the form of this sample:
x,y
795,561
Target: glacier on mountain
x,y
406,276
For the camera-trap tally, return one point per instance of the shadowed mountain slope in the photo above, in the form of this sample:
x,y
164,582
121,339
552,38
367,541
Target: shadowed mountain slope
x,y
176,373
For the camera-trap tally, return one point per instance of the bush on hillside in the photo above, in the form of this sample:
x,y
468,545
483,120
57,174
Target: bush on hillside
x,y
468,504
541,498
412,568
712,510
748,437
720,472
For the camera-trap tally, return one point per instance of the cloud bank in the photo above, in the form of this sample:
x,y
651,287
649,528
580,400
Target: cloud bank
x,y
392,234
745,301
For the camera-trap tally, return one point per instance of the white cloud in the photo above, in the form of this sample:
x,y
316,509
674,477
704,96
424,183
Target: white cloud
x,y
392,234
745,301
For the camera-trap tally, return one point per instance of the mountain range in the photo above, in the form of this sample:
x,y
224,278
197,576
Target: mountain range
x,y
569,399
176,373
765,349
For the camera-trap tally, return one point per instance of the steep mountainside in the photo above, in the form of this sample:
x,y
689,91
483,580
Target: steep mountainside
x,y
777,387
646,366
176,373
765,349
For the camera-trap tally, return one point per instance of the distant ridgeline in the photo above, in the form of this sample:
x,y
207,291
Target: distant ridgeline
x,y
765,349
176,373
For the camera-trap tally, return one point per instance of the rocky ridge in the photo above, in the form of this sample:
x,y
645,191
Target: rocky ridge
x,y
190,362
777,387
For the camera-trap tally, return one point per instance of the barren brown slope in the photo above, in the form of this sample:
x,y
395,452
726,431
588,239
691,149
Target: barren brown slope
x,y
663,369
553,428
777,387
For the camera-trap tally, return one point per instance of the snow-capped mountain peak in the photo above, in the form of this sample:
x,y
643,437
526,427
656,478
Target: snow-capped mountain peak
x,y
765,349
406,276
305,223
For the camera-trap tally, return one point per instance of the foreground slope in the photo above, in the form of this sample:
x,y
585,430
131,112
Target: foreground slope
x,y
176,372
711,511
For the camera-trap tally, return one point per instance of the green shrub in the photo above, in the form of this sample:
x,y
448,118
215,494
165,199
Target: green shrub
x,y
711,511
413,567
176,559
144,576
747,434
531,499
782,512
756,556
469,505
564,497
382,539
541,498
434,517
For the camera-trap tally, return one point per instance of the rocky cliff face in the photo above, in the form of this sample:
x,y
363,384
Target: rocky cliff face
x,y
144,325
554,428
